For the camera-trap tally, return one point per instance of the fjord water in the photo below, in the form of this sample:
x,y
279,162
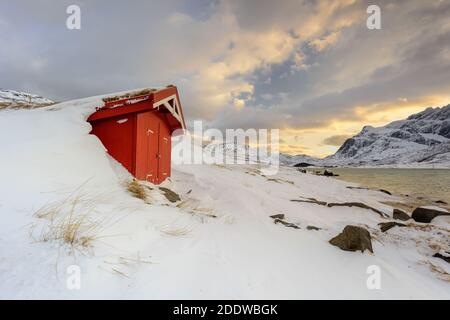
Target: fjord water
x,y
433,184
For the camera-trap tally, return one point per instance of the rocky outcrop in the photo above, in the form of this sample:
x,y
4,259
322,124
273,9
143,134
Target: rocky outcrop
x,y
353,238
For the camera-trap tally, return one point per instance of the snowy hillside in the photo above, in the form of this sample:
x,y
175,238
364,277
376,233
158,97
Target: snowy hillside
x,y
16,99
207,233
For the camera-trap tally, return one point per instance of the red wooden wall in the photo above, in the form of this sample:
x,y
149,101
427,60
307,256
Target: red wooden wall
x,y
117,135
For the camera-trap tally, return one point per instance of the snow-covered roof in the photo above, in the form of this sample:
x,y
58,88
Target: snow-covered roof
x,y
166,97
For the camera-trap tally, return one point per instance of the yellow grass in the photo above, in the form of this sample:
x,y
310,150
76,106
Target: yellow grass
x,y
137,190
69,222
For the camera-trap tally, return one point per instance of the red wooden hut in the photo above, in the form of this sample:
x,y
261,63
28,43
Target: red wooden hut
x,y
136,129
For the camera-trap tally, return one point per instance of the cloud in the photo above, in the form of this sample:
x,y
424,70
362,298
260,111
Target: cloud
x,y
336,140
321,44
250,64
293,149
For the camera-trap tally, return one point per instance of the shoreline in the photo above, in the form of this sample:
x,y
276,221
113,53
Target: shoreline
x,y
409,201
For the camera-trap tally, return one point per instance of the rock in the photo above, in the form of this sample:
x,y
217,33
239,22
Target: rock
x,y
441,202
400,215
441,256
353,238
385,191
170,195
357,204
385,226
327,173
278,216
311,200
286,224
426,215
302,170
303,165
362,188
313,228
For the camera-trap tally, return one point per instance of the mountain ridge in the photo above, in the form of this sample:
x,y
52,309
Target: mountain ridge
x,y
19,99
422,139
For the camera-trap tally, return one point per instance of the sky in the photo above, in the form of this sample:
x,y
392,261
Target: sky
x,y
307,67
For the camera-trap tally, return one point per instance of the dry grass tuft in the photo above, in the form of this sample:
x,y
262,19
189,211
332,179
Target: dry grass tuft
x,y
178,232
70,222
137,190
175,230
440,272
129,95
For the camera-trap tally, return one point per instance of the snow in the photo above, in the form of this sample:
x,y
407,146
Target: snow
x,y
218,243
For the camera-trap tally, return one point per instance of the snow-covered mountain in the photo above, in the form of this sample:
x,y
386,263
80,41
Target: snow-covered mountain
x,y
423,139
17,99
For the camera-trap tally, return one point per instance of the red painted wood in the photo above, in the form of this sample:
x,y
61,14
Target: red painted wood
x,y
164,151
147,146
117,136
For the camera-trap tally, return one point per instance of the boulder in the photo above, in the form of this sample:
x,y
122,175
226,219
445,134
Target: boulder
x,y
426,215
400,215
353,238
313,228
